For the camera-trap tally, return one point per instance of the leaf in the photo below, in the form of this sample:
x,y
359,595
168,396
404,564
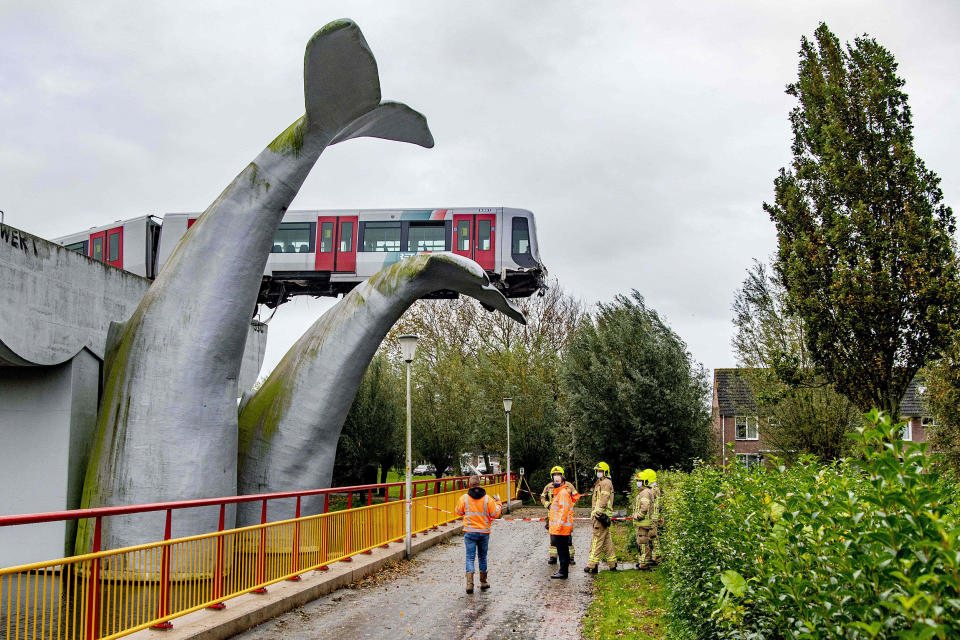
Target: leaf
x,y
734,582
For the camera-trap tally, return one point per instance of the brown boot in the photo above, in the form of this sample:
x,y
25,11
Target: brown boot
x,y
484,585
469,581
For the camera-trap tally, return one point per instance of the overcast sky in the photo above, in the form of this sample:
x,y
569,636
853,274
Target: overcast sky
x,y
644,137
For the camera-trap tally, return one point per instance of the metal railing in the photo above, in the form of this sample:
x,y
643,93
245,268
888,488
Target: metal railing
x,y
111,593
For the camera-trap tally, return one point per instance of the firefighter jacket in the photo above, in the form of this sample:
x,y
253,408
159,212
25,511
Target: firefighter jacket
x,y
644,507
478,510
561,509
602,497
546,496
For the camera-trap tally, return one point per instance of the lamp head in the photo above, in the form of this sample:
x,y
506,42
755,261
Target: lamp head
x,y
408,346
507,404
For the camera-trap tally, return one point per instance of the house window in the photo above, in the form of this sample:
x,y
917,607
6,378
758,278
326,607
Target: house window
x,y
928,421
747,428
906,433
749,459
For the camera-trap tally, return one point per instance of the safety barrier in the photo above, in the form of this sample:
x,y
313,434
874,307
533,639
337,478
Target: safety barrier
x,y
111,593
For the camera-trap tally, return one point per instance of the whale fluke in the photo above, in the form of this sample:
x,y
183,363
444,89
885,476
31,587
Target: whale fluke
x,y
290,426
167,426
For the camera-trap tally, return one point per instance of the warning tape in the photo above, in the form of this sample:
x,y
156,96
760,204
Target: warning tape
x,y
522,519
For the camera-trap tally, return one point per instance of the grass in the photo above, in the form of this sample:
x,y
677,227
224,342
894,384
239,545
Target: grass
x,y
627,604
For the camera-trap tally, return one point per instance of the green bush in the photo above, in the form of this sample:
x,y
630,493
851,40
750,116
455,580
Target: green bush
x,y
866,548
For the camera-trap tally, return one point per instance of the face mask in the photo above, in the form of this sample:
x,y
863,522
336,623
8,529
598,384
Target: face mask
x,y
639,484
557,480
599,474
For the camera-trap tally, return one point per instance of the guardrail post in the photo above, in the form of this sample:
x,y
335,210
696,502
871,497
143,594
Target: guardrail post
x,y
295,553
216,589
163,605
325,533
262,552
93,588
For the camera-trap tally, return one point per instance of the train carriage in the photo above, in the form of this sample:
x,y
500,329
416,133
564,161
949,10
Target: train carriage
x,y
327,253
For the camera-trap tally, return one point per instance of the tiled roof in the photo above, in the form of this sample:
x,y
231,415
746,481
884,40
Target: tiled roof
x,y
735,398
733,392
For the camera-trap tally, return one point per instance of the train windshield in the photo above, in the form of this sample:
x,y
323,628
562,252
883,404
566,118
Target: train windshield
x,y
521,237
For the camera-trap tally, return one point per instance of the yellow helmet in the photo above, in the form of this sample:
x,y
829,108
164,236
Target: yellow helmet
x,y
602,466
557,469
648,476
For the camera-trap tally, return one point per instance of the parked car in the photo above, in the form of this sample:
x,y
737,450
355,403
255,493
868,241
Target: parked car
x,y
422,469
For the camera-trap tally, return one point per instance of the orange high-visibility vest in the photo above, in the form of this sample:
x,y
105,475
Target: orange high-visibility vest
x,y
477,514
561,511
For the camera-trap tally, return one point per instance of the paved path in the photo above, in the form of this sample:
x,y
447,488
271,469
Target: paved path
x,y
425,598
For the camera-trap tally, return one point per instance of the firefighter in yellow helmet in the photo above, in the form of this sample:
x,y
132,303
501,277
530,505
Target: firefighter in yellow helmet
x,y
601,547
646,515
557,480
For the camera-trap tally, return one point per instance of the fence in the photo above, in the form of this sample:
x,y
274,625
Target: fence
x,y
111,593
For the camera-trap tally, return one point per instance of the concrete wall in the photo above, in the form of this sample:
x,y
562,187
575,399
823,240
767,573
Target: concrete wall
x,y
47,415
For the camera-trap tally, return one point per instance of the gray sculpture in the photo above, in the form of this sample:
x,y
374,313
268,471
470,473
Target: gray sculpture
x,y
167,428
289,428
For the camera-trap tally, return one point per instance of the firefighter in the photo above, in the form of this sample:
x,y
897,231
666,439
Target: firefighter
x,y
478,511
546,497
562,498
601,548
646,514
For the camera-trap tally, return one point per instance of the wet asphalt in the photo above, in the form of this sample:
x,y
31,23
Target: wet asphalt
x,y
425,598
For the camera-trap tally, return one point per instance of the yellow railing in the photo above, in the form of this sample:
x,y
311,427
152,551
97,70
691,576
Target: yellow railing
x,y
112,593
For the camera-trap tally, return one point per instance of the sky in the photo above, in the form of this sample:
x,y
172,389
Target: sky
x,y
644,137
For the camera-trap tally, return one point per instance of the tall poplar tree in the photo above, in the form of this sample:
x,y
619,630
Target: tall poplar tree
x,y
865,242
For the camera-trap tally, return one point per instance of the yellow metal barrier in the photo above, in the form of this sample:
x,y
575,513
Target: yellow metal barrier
x,y
116,592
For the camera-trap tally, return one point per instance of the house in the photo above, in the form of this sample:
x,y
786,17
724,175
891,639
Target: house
x,y
735,419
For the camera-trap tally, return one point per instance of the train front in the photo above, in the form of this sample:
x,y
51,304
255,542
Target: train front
x,y
522,273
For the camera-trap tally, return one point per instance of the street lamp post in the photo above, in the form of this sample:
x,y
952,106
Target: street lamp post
x,y
408,348
507,405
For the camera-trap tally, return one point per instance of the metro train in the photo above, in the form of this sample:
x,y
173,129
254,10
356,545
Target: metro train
x,y
327,253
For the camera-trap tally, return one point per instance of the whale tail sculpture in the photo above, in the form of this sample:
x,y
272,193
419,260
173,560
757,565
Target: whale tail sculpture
x,y
290,427
167,427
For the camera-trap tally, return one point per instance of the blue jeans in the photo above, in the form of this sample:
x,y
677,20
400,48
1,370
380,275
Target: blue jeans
x,y
476,542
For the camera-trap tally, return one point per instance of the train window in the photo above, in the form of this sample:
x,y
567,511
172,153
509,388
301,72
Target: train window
x,y
294,237
381,236
430,236
483,235
79,247
346,237
463,235
521,236
97,248
113,247
326,237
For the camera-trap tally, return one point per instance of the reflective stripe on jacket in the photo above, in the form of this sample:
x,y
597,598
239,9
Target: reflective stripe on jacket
x,y
477,514
603,497
561,511
643,506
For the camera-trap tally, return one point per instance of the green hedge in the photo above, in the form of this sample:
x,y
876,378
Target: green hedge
x,y
863,549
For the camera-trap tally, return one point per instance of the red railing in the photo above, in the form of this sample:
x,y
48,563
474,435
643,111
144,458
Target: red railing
x,y
422,489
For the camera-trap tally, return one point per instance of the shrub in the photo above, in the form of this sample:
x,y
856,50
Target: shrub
x,y
866,548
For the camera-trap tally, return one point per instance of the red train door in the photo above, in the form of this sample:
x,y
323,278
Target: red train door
x,y
346,259
326,237
113,253
484,247
463,235
96,245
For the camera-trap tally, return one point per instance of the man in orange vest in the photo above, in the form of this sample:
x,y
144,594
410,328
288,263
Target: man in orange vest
x,y
561,520
478,511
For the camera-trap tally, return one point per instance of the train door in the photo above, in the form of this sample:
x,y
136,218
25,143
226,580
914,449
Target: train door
x,y
484,249
113,250
326,232
475,238
463,235
96,245
346,259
